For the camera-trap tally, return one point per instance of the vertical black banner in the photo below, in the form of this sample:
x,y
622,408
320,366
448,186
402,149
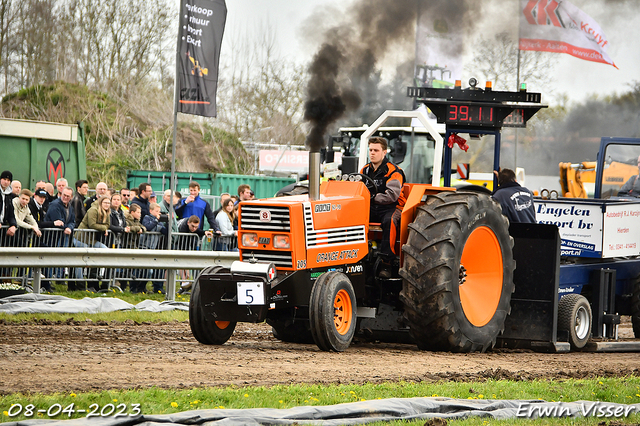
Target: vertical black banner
x,y
201,28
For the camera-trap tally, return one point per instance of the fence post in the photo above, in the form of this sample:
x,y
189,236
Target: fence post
x,y
171,285
36,280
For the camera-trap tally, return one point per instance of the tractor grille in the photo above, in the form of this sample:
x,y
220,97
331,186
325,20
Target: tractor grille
x,y
333,236
282,259
280,222
250,218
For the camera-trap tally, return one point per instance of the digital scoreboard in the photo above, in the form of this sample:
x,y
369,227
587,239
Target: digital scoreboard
x,y
478,108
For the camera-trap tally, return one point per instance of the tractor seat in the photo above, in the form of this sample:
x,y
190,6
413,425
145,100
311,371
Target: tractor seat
x,y
375,227
375,231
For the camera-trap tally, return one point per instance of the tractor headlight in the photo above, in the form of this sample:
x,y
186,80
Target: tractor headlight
x,y
250,240
281,241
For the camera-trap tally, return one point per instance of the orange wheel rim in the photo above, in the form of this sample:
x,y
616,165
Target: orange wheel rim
x,y
481,276
222,324
342,312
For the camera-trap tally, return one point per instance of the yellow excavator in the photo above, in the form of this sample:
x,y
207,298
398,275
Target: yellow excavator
x,y
578,180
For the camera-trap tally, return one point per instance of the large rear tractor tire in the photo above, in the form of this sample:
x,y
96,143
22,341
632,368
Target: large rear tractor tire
x,y
457,273
635,307
206,330
574,316
332,312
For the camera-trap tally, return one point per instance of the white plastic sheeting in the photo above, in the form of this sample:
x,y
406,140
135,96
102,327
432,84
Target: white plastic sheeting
x,y
46,303
364,412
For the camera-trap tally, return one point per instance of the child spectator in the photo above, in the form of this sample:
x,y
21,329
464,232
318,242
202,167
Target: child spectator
x,y
133,221
118,222
120,232
139,282
152,224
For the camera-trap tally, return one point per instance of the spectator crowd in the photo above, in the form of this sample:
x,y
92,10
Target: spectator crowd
x,y
65,216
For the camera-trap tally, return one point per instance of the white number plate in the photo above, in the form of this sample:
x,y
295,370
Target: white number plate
x,y
250,293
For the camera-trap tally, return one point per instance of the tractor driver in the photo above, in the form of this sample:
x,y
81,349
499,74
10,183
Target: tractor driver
x,y
389,179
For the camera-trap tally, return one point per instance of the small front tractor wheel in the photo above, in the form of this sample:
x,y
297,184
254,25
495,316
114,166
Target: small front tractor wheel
x,y
574,316
332,312
206,330
635,307
457,272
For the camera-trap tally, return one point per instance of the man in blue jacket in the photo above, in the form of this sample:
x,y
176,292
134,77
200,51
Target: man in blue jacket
x,y
142,199
61,210
516,201
193,205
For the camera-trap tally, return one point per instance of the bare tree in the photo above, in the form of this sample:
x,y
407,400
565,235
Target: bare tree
x,y
8,16
496,60
110,45
36,50
260,95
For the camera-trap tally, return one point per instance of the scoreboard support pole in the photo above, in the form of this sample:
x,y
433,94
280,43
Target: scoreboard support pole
x,y
448,155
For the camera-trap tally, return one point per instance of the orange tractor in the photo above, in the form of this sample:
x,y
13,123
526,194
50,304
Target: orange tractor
x,y
309,263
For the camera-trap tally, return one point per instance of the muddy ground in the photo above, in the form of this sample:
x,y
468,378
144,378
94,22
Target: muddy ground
x,y
87,357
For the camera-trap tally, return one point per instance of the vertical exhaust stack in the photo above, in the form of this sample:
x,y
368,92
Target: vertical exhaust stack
x,y
314,176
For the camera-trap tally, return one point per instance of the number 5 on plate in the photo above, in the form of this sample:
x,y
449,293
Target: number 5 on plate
x,y
250,293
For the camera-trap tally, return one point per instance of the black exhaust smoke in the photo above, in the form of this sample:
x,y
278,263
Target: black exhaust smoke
x,y
344,68
327,101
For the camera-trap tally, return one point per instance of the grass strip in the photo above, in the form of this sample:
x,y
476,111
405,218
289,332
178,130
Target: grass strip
x,y
164,401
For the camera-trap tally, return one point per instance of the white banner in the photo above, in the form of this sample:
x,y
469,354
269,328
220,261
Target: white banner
x,y
579,224
621,235
287,161
559,26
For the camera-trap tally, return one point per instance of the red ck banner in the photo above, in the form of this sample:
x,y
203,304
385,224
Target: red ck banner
x,y
559,26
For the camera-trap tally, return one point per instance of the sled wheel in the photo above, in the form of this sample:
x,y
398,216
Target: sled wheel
x,y
574,316
291,331
635,308
206,330
332,312
457,272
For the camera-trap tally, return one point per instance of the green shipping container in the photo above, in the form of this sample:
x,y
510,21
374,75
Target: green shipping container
x,y
160,181
262,186
38,150
210,183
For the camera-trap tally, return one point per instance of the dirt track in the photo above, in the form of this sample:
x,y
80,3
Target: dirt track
x,y
84,357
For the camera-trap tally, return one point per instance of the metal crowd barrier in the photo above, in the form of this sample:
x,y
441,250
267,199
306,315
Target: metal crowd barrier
x,y
108,276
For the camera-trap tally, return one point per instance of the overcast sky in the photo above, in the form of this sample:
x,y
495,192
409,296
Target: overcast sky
x,y
619,19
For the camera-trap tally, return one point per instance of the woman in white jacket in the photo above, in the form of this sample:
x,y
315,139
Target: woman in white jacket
x,y
225,218
225,222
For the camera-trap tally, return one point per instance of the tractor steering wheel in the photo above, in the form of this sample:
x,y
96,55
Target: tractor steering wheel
x,y
368,182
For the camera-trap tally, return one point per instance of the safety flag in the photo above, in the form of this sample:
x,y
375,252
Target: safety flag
x,y
559,26
201,28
